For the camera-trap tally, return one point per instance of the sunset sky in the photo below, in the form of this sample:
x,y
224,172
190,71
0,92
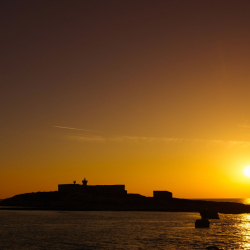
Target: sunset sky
x,y
151,94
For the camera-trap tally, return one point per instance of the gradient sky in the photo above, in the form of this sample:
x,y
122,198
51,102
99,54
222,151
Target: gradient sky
x,y
151,94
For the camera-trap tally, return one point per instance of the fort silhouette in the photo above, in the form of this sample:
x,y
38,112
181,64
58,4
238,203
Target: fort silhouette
x,y
105,189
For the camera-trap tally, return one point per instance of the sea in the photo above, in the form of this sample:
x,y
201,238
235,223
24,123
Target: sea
x,y
78,230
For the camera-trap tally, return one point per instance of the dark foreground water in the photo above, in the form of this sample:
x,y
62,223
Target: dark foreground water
x,y
32,230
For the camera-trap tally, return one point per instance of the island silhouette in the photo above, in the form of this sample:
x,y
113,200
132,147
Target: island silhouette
x,y
114,198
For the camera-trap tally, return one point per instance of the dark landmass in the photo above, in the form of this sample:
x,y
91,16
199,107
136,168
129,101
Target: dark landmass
x,y
127,202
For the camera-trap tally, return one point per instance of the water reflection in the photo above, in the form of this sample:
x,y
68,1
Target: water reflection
x,y
243,230
246,201
120,230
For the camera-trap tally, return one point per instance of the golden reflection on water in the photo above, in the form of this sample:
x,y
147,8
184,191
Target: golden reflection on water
x,y
244,230
247,201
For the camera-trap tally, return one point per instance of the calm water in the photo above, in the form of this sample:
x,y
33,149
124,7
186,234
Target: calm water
x,y
32,230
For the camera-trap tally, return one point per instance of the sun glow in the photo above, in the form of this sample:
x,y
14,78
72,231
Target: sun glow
x,y
247,171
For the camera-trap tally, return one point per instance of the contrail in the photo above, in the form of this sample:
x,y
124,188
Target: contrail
x,y
164,139
76,129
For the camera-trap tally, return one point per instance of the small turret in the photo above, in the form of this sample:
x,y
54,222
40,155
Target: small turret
x,y
84,182
74,182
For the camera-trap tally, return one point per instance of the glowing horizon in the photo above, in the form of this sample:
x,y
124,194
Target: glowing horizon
x,y
150,95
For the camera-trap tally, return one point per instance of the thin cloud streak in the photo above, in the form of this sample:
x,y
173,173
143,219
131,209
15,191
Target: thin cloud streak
x,y
157,139
244,126
77,129
86,138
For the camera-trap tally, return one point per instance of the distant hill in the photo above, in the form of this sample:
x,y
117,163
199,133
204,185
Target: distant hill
x,y
127,202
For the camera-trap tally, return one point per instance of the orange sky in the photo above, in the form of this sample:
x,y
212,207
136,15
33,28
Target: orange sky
x,y
150,94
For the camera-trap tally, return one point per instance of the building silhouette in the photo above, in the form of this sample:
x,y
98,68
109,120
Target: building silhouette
x,y
105,189
92,189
